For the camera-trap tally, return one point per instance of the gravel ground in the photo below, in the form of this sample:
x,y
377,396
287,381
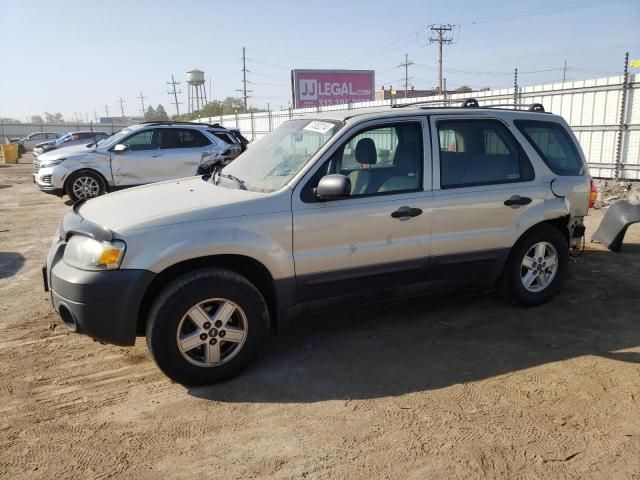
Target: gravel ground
x,y
426,388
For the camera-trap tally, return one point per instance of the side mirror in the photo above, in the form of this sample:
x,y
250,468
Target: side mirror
x,y
120,148
333,187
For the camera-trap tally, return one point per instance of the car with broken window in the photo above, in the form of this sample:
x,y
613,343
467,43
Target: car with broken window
x,y
136,155
340,208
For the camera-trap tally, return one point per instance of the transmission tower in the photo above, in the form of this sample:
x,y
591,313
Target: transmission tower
x,y
144,113
406,64
244,91
121,102
441,37
175,93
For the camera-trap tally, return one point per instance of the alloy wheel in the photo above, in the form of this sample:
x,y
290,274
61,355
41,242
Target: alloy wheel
x,y
212,332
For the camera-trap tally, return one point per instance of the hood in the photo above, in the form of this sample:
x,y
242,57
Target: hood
x,y
65,152
175,201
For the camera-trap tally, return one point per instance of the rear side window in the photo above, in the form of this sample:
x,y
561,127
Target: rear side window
x,y
554,145
480,152
182,138
225,137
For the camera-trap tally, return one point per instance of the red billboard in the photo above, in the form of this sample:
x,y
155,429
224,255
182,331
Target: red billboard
x,y
312,88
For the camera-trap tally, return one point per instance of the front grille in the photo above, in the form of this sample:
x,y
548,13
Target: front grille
x,y
46,179
36,166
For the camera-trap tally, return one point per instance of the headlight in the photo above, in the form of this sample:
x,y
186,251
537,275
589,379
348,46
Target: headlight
x,y
89,254
51,163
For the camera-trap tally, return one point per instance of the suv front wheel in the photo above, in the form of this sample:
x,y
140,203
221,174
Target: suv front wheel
x,y
84,184
536,267
206,326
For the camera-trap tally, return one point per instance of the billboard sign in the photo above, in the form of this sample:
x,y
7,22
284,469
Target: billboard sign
x,y
313,88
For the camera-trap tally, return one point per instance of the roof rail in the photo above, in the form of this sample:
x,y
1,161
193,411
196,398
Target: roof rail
x,y
533,107
170,122
471,103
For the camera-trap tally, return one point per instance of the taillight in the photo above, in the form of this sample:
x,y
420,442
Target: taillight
x,y
593,194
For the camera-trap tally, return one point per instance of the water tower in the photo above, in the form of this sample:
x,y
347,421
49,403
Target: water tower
x,y
197,95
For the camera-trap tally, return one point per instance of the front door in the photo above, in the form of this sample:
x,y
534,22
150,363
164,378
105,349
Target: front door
x,y
378,237
140,163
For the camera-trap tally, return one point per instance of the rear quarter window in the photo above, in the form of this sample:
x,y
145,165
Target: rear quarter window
x,y
554,145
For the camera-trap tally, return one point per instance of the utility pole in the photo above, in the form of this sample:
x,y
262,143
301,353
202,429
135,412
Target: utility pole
x,y
121,101
441,39
564,72
175,93
106,110
515,87
623,126
406,73
244,91
95,116
144,113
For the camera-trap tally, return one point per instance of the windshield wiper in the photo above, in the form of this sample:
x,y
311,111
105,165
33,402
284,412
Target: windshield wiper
x,y
232,177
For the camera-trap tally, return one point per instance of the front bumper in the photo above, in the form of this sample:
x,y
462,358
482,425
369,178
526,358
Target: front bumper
x,y
50,179
101,304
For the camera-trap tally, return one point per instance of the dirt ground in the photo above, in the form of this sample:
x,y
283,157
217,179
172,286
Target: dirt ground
x,y
427,388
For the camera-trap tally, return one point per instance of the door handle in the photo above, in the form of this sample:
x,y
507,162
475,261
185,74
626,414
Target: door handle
x,y
516,200
156,156
404,213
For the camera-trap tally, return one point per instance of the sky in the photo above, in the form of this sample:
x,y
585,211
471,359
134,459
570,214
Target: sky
x,y
76,57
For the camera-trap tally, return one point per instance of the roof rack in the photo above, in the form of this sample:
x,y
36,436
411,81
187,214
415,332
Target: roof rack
x,y
170,122
473,103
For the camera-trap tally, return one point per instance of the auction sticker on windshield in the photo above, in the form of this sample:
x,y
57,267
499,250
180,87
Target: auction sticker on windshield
x,y
319,127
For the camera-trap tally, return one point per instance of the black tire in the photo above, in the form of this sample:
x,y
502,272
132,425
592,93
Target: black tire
x,y
512,286
180,296
86,175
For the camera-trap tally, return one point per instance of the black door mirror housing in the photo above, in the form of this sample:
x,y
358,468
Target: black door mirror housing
x,y
333,187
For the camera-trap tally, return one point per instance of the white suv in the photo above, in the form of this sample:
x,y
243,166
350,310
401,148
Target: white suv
x,y
324,212
136,155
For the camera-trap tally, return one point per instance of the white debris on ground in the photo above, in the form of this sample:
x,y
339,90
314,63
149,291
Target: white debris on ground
x,y
612,191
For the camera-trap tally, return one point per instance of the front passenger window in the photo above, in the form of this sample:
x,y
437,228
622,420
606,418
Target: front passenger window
x,y
146,140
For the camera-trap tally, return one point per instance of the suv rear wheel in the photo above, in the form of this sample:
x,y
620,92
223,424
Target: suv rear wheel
x,y
206,326
536,267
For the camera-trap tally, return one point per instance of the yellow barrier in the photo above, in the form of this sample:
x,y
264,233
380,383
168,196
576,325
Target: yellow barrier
x,y
9,153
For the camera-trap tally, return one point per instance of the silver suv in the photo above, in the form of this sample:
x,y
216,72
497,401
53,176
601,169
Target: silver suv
x,y
136,155
324,212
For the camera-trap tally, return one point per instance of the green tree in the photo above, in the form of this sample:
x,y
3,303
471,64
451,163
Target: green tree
x,y
464,89
161,113
53,117
37,119
150,114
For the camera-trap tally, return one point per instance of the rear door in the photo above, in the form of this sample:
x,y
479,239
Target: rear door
x,y
182,150
483,184
378,238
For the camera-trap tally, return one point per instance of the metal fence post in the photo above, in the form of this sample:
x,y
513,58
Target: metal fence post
x,y
253,129
237,119
270,121
622,126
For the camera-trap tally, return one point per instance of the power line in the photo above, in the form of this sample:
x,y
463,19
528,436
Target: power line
x,y
175,93
441,39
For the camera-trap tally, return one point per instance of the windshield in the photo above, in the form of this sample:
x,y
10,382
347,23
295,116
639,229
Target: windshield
x,y
273,160
63,139
115,138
